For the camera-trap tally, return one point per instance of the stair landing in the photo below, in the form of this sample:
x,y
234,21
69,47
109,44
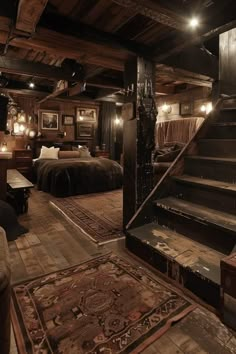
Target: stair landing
x,y
190,263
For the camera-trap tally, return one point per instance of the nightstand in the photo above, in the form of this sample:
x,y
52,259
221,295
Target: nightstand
x,y
102,153
23,162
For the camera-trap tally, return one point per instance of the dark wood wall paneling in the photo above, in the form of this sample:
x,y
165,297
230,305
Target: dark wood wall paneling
x,y
227,62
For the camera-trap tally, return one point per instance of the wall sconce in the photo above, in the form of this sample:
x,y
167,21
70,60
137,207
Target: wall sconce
x,y
4,147
32,133
118,121
206,108
166,108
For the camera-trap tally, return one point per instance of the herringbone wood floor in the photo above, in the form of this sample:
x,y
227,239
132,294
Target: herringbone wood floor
x,y
54,244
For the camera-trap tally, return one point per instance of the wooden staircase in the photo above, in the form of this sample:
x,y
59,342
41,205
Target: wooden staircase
x,y
190,216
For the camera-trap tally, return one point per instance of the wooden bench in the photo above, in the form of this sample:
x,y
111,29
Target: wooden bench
x,y
18,190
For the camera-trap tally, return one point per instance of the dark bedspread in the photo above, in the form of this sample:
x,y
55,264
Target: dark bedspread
x,y
65,177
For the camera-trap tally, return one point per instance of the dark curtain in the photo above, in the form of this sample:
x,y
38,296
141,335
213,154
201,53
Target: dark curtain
x,y
106,131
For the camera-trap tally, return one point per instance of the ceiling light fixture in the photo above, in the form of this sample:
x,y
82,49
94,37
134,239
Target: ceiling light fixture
x,y
194,22
31,84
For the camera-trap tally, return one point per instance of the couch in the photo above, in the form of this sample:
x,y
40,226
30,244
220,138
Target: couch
x,y
5,294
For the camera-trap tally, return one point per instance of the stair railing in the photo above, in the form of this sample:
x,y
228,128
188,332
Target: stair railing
x,y
146,212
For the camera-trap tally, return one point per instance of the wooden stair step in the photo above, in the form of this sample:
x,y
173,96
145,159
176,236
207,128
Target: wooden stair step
x,y
218,168
217,147
224,124
211,193
225,160
187,262
211,217
227,115
222,130
224,187
176,247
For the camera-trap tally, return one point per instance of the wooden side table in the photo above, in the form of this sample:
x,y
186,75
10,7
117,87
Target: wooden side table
x,y
4,157
18,190
102,153
23,162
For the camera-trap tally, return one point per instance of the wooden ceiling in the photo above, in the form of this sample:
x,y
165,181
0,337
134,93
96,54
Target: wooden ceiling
x,y
89,41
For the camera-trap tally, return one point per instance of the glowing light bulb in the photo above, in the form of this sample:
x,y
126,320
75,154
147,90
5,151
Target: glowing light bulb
x,y
203,108
22,128
166,108
194,22
4,147
209,108
117,121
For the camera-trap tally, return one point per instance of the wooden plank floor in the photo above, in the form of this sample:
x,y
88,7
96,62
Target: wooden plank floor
x,y
54,244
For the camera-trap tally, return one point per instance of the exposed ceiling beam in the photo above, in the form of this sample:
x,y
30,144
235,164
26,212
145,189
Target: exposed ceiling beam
x,y
28,68
22,85
29,13
24,92
22,88
77,89
188,95
161,54
109,95
90,34
195,60
96,82
174,74
106,83
61,87
68,46
154,11
164,90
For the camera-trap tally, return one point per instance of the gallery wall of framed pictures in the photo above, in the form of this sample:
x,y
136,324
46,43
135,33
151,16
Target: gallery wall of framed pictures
x,y
68,122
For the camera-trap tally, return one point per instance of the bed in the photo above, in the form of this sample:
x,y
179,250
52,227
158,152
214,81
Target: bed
x,y
64,177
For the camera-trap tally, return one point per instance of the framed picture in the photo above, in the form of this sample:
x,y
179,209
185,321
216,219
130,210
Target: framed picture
x,y
68,119
86,114
49,120
186,109
85,130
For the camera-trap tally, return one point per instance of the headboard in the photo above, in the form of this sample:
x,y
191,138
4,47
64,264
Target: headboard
x,y
63,145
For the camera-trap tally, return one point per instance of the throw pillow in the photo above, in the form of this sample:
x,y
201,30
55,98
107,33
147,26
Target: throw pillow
x,y
84,151
68,154
49,153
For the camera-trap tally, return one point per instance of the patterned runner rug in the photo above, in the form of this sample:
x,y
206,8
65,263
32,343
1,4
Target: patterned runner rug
x,y
98,215
105,305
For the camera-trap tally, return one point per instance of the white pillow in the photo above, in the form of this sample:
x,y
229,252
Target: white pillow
x,y
49,153
84,151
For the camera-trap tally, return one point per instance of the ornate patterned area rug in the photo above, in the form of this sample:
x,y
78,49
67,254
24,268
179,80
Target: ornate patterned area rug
x,y
105,305
98,215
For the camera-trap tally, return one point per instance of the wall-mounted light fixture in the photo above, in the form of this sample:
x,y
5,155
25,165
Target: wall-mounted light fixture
x,y
166,108
4,147
118,121
206,108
